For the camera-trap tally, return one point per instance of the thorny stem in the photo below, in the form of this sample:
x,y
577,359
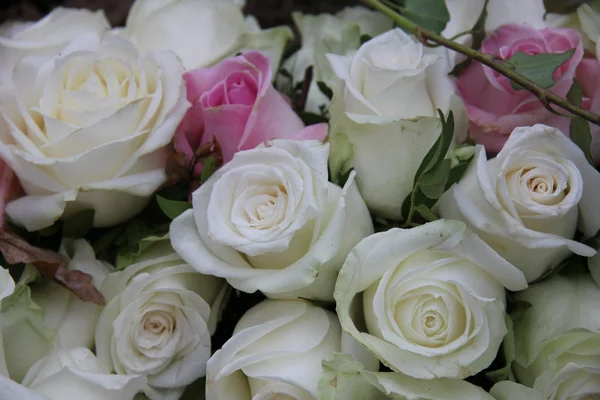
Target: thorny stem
x,y
430,38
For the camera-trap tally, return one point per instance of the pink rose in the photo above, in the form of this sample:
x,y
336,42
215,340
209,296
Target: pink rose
x,y
495,108
235,103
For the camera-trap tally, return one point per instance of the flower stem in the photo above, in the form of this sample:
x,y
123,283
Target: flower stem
x,y
546,97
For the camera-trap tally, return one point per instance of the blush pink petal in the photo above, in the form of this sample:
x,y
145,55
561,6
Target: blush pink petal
x,y
226,124
271,117
312,132
495,109
236,104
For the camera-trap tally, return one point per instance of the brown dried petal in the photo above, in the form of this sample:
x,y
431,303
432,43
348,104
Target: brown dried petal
x,y
50,264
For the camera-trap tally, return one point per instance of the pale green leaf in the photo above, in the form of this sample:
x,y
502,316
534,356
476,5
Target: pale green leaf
x,y
562,6
172,208
78,225
340,155
575,93
538,68
580,134
428,14
433,183
209,168
426,213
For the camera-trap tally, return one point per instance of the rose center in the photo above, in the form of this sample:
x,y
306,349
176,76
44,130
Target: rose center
x,y
545,185
432,323
157,323
266,209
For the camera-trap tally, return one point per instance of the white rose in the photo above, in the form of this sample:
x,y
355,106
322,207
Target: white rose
x,y
90,130
46,36
74,374
557,341
499,12
528,202
433,299
7,284
7,287
276,351
158,321
327,33
38,315
200,32
344,378
269,220
387,107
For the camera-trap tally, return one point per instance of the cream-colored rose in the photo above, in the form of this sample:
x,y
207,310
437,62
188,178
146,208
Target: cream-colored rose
x,y
158,321
327,33
7,287
201,32
433,299
39,315
74,374
557,341
276,352
90,130
44,37
344,378
528,202
387,109
269,220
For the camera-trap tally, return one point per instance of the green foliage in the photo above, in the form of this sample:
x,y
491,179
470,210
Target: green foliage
x,y
434,176
172,208
209,168
364,38
311,118
340,157
579,129
538,68
78,225
432,15
326,90
562,6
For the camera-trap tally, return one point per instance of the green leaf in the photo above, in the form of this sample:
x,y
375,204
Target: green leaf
x,y
575,93
562,6
457,173
286,74
364,38
326,90
135,231
209,168
107,239
426,213
428,14
311,118
433,182
538,68
439,149
79,224
340,157
580,134
344,177
173,208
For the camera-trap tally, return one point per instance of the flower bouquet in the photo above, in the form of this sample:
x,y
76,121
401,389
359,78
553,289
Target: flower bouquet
x,y
399,203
